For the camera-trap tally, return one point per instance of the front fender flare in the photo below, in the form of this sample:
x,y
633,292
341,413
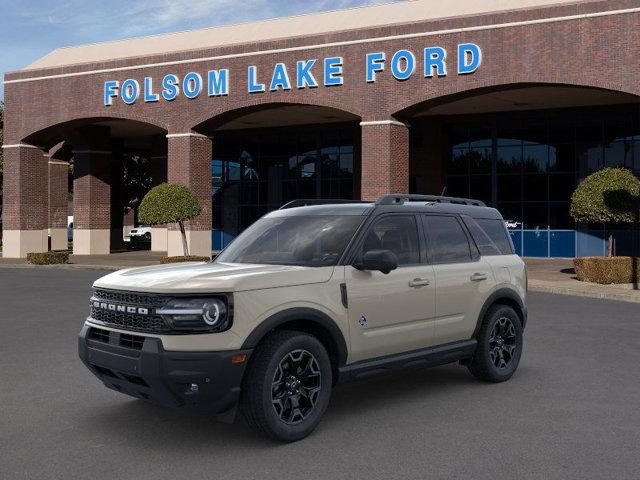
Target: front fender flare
x,y
296,314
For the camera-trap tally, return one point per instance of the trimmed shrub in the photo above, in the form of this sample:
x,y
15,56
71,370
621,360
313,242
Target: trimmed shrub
x,y
611,195
170,203
189,258
607,270
48,258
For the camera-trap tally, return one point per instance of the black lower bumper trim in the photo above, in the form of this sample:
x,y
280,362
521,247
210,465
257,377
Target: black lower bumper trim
x,y
206,381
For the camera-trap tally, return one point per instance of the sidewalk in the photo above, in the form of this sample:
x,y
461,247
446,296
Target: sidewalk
x,y
115,261
557,276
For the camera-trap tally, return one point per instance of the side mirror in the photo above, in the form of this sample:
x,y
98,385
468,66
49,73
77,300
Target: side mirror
x,y
381,260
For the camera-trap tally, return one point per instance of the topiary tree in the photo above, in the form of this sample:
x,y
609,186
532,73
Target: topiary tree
x,y
611,195
170,203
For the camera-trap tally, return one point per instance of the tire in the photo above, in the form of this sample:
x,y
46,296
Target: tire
x,y
270,394
499,345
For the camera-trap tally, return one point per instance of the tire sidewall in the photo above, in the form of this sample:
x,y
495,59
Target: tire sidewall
x,y
302,429
492,318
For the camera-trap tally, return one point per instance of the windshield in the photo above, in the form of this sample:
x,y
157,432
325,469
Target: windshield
x,y
310,241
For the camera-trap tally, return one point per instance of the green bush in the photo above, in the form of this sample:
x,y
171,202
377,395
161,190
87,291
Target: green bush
x,y
170,203
607,270
48,258
190,258
611,195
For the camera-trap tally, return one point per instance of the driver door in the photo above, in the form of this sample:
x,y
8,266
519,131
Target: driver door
x,y
395,312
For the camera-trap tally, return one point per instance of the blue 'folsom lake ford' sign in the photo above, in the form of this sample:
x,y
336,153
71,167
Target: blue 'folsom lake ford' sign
x,y
310,73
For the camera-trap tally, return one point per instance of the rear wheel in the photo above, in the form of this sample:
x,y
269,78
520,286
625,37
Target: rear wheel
x,y
499,345
287,386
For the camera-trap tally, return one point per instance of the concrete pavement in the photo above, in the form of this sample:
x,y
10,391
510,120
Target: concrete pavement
x,y
570,412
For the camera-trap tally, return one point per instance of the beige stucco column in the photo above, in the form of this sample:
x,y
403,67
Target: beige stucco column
x,y
189,164
25,213
58,191
385,158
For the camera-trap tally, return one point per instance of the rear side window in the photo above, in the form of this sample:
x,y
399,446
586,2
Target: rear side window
x,y
497,232
447,240
486,245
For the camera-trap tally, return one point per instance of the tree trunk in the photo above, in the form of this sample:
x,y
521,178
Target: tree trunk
x,y
610,253
185,247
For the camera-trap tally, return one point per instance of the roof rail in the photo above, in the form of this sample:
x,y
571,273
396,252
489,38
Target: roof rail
x,y
302,202
399,199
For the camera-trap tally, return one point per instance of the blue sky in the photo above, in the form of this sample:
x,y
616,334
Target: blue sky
x,y
30,29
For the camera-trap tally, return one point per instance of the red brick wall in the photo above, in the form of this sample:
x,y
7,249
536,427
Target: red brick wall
x,y
189,164
25,177
599,52
385,160
58,190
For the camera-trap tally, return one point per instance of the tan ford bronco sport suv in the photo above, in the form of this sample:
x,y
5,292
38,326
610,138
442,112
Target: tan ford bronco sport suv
x,y
312,294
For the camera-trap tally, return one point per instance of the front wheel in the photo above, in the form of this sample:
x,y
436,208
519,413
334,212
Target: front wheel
x,y
287,386
499,345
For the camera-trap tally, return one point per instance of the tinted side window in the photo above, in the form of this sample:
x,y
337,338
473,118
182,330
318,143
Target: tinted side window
x,y
497,232
484,243
396,233
447,240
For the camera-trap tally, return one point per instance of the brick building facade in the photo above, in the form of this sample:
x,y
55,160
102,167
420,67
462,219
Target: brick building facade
x,y
394,85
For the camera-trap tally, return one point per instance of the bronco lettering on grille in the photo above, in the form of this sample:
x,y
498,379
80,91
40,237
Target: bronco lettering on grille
x,y
119,308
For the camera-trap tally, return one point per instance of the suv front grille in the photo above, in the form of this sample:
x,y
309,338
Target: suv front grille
x,y
126,320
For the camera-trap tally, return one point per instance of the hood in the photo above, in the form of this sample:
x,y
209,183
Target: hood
x,y
211,277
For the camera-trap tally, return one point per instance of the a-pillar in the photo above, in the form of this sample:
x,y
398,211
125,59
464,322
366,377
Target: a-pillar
x,y
92,192
25,212
159,175
58,192
385,158
189,164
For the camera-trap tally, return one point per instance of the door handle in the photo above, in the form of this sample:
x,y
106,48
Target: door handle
x,y
419,282
478,277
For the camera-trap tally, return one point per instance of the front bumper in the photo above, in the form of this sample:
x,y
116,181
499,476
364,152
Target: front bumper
x,y
139,366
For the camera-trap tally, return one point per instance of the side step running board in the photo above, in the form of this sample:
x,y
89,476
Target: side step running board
x,y
425,357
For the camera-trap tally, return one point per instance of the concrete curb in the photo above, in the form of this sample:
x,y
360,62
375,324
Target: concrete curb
x,y
630,297
66,266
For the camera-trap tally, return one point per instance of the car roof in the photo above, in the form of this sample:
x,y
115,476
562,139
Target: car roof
x,y
473,211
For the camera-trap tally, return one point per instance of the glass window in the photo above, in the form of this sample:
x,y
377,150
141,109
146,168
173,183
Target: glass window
x,y
535,158
561,186
396,233
485,245
535,215
447,240
481,188
535,187
497,232
509,187
480,160
458,186
312,241
510,159
562,158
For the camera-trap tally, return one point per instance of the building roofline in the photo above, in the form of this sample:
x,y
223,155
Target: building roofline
x,y
282,28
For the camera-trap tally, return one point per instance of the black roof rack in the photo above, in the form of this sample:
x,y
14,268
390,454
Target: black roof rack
x,y
399,199
302,202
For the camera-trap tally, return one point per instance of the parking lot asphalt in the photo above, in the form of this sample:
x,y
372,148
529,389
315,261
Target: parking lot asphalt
x,y
571,410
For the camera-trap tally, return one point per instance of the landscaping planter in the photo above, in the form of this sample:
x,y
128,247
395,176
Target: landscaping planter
x,y
607,270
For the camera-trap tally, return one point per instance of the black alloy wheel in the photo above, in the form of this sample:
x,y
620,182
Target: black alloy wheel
x,y
502,343
287,385
296,385
499,345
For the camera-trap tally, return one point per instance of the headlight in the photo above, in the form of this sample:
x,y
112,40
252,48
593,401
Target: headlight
x,y
197,314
